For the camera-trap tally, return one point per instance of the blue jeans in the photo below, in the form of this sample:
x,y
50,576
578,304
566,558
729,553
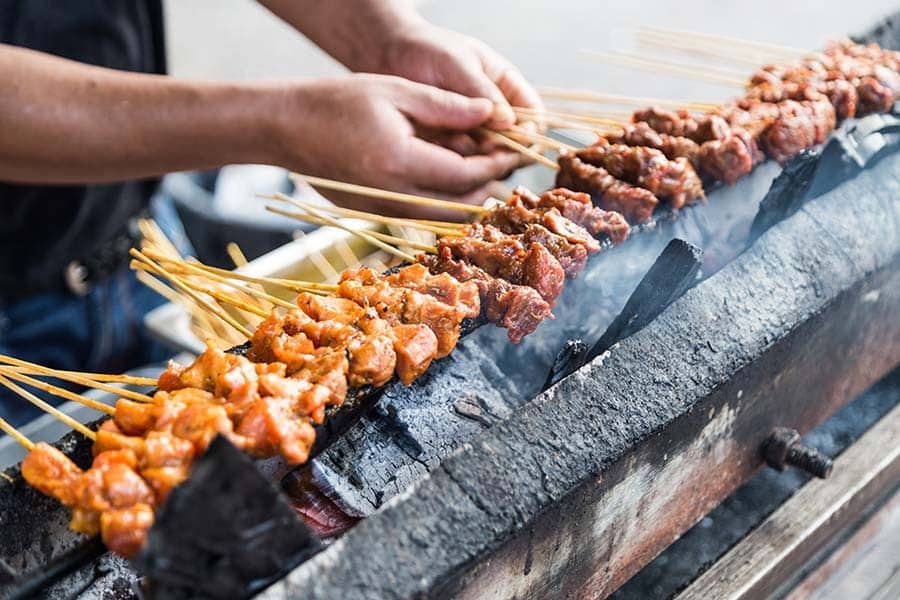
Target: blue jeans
x,y
100,331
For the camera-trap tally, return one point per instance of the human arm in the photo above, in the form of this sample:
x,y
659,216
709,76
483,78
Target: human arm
x,y
390,37
65,122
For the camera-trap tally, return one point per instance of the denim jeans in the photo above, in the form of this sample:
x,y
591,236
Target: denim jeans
x,y
100,331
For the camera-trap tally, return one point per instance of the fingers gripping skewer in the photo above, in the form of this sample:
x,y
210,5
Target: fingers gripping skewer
x,y
63,417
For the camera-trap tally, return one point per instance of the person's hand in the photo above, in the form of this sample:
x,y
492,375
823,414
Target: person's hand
x,y
367,129
452,61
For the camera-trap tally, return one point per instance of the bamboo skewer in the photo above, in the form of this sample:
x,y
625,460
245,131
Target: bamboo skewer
x,y
591,96
521,149
15,434
726,40
11,373
541,139
376,218
372,240
186,267
657,40
180,286
598,120
63,417
105,377
290,284
236,254
222,297
668,68
371,192
198,315
74,377
390,239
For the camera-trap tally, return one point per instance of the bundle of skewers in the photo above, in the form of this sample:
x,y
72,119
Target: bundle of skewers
x,y
508,267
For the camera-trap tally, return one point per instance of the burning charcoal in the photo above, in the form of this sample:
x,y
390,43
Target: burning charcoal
x,y
670,276
225,533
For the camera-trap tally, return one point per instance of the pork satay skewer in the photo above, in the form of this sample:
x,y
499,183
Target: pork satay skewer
x,y
178,284
15,434
11,373
362,190
74,377
47,408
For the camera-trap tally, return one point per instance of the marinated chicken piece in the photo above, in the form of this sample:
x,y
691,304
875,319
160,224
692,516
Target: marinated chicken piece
x,y
201,423
124,530
271,427
51,472
634,203
329,308
572,257
441,286
415,346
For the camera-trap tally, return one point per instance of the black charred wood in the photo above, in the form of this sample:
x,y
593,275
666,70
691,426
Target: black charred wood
x,y
225,533
569,360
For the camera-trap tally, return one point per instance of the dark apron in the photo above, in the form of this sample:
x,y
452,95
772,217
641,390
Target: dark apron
x,y
43,229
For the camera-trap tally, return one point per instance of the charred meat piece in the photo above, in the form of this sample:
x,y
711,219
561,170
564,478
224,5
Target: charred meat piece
x,y
673,146
648,168
578,208
517,308
441,286
634,203
874,96
800,125
728,159
508,258
682,124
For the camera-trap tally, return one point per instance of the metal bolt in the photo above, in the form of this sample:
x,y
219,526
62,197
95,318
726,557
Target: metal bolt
x,y
783,448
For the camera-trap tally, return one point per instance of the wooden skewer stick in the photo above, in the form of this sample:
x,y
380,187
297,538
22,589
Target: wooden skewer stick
x,y
363,190
359,214
189,268
12,373
725,40
530,136
107,377
364,235
667,68
180,286
236,254
390,239
591,96
79,427
697,48
520,148
572,117
16,434
290,284
221,297
74,377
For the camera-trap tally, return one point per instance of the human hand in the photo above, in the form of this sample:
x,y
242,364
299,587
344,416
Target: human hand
x,y
368,130
428,54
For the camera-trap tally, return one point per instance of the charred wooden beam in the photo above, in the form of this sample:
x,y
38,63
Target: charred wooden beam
x,y
598,474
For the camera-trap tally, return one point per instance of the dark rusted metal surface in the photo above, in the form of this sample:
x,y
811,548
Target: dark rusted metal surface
x,y
595,476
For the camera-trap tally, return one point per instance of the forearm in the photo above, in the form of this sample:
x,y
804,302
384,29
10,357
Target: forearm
x,y
65,122
354,32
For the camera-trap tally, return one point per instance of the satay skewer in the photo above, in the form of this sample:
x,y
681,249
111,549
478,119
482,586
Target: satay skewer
x,y
12,373
74,377
362,190
570,116
697,48
530,136
104,377
15,434
178,284
236,254
49,409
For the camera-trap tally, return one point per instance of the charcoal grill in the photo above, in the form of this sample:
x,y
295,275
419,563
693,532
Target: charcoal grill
x,y
568,491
